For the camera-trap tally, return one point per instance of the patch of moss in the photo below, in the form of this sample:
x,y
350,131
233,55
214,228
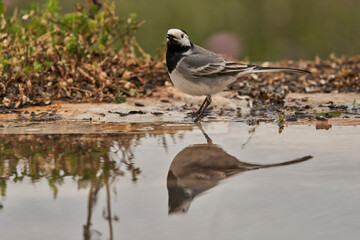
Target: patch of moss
x,y
319,114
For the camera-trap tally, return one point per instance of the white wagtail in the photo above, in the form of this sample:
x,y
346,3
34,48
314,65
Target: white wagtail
x,y
200,72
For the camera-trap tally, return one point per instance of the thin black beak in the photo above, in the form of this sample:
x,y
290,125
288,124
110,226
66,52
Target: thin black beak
x,y
170,36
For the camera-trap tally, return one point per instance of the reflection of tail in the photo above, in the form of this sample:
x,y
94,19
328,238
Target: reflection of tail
x,y
298,160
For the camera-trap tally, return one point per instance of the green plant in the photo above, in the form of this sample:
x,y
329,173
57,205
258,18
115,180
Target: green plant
x,y
63,56
121,98
280,118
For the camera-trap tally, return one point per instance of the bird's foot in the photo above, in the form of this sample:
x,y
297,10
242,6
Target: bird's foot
x,y
192,114
201,115
196,114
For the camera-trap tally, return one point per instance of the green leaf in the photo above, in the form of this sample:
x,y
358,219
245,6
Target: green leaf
x,y
120,99
53,6
28,70
132,93
38,66
104,37
48,64
92,25
71,45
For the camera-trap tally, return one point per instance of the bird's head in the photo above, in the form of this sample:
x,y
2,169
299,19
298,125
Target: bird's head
x,y
178,37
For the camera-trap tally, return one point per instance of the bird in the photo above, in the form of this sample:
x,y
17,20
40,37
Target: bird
x,y
199,72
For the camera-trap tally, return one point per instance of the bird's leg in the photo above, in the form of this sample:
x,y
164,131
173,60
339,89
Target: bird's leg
x,y
208,139
208,101
195,114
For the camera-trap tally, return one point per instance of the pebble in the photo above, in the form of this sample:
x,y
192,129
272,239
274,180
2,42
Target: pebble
x,y
291,119
320,118
299,113
139,104
137,112
157,113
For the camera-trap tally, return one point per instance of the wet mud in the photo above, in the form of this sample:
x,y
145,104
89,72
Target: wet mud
x,y
335,108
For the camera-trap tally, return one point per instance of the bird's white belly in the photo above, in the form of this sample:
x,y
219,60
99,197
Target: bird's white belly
x,y
196,88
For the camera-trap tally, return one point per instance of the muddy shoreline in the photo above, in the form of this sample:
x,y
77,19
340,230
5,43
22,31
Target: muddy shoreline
x,y
323,110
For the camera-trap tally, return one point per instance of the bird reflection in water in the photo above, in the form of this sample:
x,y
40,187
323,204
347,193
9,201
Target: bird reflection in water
x,y
200,167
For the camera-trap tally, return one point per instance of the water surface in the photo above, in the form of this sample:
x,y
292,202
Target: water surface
x,y
225,181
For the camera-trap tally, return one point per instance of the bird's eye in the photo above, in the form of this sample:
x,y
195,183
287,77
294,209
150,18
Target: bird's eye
x,y
182,35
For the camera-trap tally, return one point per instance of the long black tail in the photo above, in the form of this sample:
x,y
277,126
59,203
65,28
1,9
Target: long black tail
x,y
275,69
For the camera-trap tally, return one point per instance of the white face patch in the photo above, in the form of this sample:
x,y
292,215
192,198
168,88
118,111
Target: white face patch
x,y
179,36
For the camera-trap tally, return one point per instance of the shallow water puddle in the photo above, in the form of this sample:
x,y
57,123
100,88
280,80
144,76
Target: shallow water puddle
x,y
224,180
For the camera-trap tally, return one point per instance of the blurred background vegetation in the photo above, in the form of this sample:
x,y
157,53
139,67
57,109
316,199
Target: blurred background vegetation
x,y
266,30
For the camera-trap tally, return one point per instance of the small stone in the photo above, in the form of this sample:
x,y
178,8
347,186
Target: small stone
x,y
157,113
327,115
136,112
299,113
291,119
139,104
305,99
320,118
